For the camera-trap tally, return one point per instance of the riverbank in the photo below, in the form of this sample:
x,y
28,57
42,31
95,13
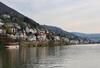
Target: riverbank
x,y
6,42
35,44
39,43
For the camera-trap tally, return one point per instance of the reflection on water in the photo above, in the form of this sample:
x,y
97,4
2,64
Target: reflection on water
x,y
9,59
80,56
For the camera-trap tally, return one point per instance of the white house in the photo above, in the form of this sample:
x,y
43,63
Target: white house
x,y
74,41
66,39
1,30
32,38
42,36
57,38
13,36
33,31
27,30
6,16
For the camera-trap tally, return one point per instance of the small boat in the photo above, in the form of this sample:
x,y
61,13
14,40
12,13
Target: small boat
x,y
12,46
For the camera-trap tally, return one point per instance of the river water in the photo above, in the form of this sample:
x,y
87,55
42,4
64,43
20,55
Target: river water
x,y
75,56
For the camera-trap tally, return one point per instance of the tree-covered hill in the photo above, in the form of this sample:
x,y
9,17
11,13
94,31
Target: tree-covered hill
x,y
60,32
16,16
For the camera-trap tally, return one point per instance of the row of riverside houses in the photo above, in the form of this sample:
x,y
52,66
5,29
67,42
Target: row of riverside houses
x,y
14,31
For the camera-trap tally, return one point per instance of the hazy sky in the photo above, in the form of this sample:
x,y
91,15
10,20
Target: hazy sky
x,y
70,15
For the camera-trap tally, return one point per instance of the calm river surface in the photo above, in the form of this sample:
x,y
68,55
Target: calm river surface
x,y
75,56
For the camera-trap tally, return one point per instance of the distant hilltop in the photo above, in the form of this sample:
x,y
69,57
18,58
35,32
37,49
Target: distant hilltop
x,y
16,26
93,37
4,9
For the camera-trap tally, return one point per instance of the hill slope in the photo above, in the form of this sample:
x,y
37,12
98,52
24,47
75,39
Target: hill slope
x,y
4,9
61,32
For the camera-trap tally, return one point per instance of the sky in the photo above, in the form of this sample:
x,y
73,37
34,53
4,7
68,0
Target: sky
x,y
70,15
